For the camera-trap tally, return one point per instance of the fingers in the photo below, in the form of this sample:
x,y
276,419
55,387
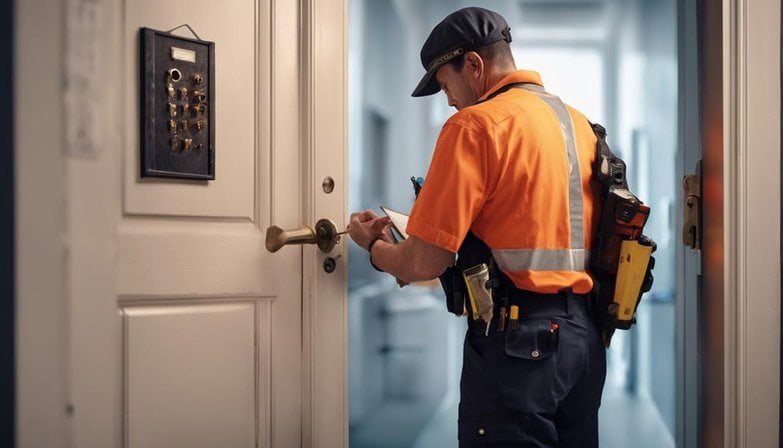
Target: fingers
x,y
367,215
380,224
387,234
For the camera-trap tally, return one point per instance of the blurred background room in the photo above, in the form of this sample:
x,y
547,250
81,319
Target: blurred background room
x,y
616,61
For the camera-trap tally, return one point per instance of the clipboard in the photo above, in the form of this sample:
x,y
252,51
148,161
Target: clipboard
x,y
399,221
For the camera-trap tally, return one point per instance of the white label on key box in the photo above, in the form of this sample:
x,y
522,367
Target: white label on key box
x,y
181,54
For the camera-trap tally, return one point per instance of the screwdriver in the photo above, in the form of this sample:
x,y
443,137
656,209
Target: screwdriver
x,y
514,317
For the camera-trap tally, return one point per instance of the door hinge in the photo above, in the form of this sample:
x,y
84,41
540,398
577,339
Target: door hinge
x,y
692,209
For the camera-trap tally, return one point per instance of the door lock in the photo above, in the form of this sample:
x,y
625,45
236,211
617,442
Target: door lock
x,y
330,264
692,210
324,235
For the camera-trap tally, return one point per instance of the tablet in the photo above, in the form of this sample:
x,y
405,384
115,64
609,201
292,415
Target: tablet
x,y
399,221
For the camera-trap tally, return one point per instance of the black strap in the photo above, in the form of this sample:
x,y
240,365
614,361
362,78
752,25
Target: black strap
x,y
614,177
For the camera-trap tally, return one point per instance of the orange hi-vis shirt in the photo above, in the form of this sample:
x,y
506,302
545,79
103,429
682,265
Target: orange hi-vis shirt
x,y
517,171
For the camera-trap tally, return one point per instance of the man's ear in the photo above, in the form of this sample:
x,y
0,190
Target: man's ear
x,y
475,63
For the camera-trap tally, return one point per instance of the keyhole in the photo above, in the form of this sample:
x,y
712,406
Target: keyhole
x,y
330,264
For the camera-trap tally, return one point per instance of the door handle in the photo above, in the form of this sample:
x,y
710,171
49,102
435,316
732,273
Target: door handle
x,y
692,210
324,235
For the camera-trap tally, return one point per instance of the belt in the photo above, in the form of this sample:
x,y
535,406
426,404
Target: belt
x,y
533,304
562,303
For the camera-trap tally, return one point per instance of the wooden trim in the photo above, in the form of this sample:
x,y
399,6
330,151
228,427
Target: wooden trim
x,y
752,161
42,333
732,236
324,141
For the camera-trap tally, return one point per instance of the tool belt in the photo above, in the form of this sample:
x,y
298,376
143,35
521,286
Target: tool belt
x,y
621,259
473,252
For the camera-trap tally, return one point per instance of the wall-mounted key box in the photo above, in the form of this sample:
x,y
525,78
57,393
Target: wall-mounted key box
x,y
177,106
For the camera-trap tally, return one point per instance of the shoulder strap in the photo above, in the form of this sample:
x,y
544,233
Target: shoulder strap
x,y
609,170
517,85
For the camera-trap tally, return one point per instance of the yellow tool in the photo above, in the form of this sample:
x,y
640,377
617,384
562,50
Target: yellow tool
x,y
631,271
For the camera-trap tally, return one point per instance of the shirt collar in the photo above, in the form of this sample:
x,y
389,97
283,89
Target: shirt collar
x,y
520,76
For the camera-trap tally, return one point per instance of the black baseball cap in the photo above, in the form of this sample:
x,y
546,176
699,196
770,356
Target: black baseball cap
x,y
465,30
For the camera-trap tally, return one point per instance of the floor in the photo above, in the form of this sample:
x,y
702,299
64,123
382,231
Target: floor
x,y
625,421
410,420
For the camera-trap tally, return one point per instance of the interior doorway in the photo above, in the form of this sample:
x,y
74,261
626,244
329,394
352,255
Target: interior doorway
x,y
405,349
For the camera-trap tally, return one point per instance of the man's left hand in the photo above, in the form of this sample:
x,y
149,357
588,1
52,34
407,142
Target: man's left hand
x,y
366,226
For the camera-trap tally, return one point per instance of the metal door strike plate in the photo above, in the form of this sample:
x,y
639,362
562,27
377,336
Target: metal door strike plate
x,y
692,210
177,106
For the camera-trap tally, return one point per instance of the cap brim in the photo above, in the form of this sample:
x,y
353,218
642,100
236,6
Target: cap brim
x,y
428,84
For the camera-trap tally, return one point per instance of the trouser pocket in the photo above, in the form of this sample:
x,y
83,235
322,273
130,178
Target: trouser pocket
x,y
529,366
486,422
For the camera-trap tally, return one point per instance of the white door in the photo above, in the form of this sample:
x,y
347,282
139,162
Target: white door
x,y
182,330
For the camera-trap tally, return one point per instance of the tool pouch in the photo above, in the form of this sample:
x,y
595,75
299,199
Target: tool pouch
x,y
473,252
621,261
454,288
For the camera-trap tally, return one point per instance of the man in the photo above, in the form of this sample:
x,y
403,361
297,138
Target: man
x,y
510,175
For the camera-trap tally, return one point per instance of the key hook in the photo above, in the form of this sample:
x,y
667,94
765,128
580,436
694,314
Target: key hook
x,y
187,26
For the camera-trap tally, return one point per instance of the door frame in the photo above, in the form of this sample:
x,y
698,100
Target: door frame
x,y
7,272
41,334
324,62
689,153
751,202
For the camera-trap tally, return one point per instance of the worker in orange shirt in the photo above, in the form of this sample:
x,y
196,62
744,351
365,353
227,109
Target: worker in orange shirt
x,y
509,186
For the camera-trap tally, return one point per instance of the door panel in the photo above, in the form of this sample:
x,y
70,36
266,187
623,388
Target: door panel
x,y
196,356
171,325
158,258
234,27
185,331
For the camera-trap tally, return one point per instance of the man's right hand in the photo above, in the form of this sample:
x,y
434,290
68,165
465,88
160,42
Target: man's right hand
x,y
366,226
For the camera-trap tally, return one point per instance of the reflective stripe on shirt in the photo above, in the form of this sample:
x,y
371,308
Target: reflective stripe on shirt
x,y
542,259
576,258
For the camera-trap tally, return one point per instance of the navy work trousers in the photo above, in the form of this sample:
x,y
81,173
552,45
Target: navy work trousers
x,y
537,385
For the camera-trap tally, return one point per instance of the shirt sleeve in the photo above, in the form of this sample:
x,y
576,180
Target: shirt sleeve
x,y
454,190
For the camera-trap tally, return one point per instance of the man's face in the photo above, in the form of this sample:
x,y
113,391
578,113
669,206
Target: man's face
x,y
457,86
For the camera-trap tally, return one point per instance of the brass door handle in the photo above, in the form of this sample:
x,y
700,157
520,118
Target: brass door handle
x,y
324,235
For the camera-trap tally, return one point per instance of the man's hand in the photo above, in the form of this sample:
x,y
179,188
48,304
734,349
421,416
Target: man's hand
x,y
365,226
410,261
